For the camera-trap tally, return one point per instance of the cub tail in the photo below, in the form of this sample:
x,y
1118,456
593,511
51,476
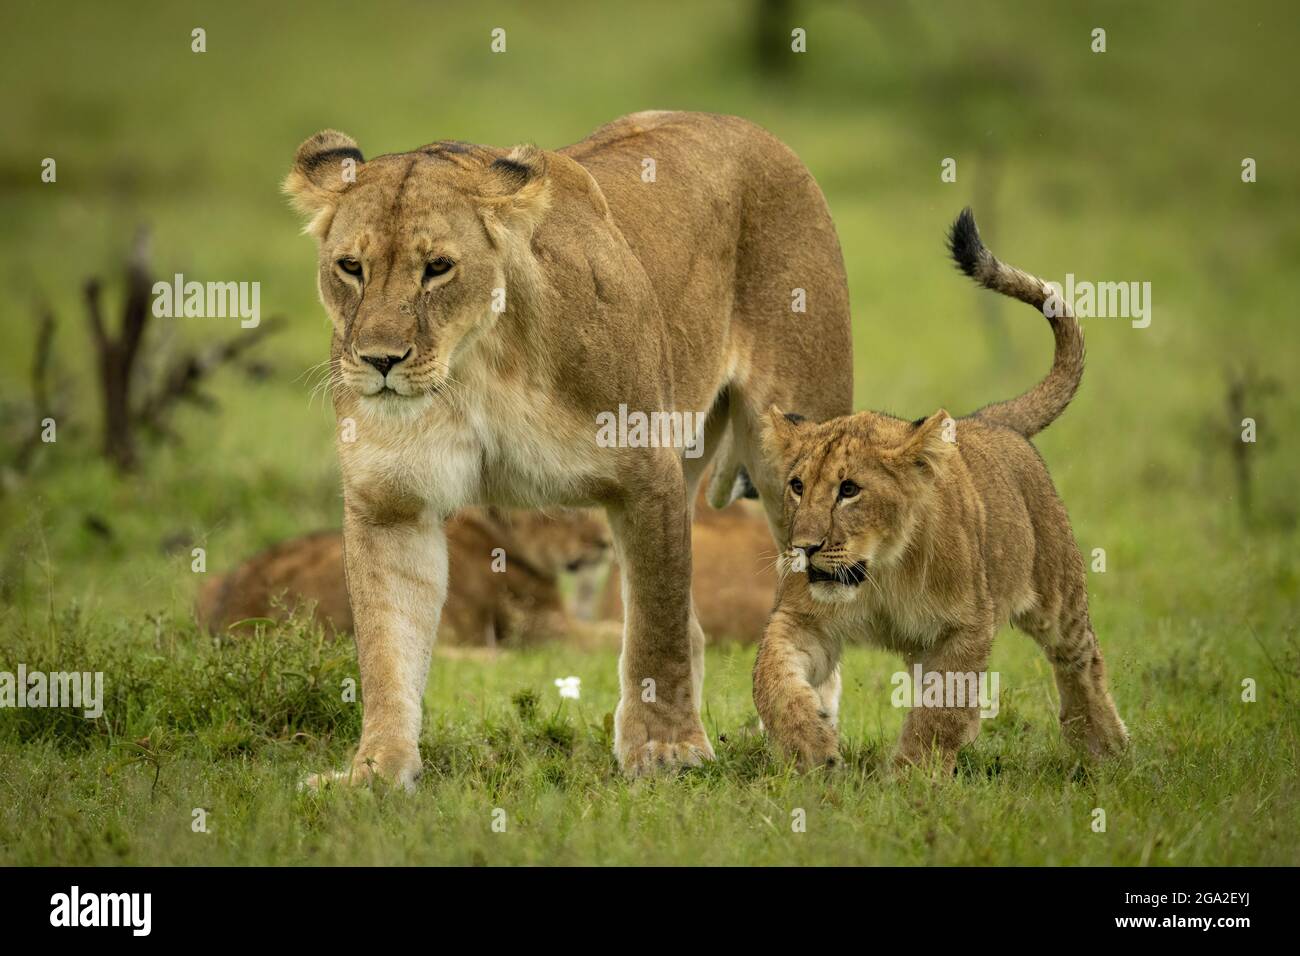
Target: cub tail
x,y
1037,408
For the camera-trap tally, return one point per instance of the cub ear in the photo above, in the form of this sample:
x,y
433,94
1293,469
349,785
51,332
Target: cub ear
x,y
781,434
929,446
516,191
323,168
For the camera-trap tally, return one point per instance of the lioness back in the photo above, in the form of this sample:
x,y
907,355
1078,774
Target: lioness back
x,y
759,228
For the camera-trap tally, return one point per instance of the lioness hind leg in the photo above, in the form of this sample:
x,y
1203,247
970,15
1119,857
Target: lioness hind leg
x,y
792,316
693,468
657,724
697,659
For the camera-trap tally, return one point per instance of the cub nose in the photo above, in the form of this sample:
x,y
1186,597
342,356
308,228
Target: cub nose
x,y
384,362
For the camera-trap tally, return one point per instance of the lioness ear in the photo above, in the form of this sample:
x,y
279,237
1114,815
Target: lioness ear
x,y
516,191
781,434
929,446
324,166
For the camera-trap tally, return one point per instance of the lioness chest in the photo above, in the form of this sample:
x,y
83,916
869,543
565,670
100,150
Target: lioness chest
x,y
502,445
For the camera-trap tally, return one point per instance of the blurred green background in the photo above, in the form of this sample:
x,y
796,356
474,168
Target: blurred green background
x,y
1116,166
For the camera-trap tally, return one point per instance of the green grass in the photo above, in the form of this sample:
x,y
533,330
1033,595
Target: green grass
x,y
1118,166
231,731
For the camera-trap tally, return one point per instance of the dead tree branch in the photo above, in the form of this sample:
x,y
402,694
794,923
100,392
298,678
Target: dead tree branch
x,y
184,376
116,355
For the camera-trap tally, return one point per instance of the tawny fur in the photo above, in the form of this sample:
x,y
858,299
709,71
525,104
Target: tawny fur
x,y
933,534
577,284
504,586
733,577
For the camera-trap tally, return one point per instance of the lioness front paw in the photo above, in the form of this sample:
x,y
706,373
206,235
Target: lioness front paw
x,y
646,743
658,757
398,767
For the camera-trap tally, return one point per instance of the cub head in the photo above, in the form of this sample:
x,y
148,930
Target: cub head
x,y
853,490
417,252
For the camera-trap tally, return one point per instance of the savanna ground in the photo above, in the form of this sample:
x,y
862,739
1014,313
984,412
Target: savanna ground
x,y
1123,165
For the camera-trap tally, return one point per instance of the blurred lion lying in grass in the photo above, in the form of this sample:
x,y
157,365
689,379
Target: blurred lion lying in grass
x,y
505,590
513,597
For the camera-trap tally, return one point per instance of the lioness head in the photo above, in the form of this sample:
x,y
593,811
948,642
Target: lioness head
x,y
415,250
853,487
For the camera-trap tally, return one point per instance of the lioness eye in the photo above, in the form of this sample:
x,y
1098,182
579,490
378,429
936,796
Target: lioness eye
x,y
848,489
350,266
437,267
796,486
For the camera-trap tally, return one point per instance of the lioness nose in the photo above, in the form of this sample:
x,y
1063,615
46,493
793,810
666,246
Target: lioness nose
x,y
810,549
384,362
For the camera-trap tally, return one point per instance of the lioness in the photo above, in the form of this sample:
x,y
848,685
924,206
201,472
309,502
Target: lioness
x,y
955,528
488,305
504,589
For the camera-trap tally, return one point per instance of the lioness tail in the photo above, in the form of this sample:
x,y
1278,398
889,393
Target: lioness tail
x,y
1037,408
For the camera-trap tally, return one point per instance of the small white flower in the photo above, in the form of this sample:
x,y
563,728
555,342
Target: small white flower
x,y
569,686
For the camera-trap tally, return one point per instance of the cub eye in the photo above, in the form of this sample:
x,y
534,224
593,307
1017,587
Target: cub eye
x,y
796,486
350,266
437,267
848,489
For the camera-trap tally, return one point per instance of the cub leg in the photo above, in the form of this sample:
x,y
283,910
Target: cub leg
x,y
932,735
829,692
1089,719
796,684
397,582
661,669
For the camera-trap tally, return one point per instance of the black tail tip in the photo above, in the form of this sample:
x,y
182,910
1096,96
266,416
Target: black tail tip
x,y
964,242
747,484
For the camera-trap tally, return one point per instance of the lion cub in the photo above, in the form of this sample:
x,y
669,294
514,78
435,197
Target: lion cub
x,y
925,537
504,586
